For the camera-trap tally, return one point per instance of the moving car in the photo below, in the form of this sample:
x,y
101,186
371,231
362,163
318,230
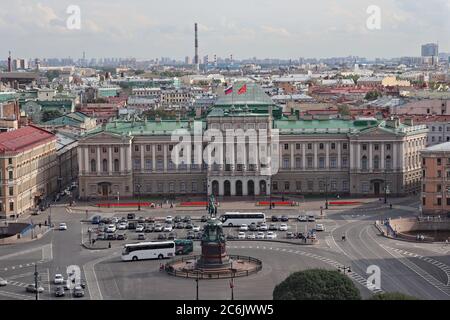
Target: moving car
x,y
260,236
111,228
59,279
32,288
251,236
320,227
141,236
78,292
62,226
243,227
302,218
311,218
59,292
96,219
283,227
172,236
139,228
241,235
263,227
271,235
168,228
3,282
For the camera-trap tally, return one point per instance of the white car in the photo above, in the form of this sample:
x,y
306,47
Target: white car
x,y
59,279
139,228
251,236
196,229
115,220
260,236
122,226
283,227
263,227
111,228
169,219
3,282
302,218
159,228
62,226
243,227
271,235
241,235
168,228
320,227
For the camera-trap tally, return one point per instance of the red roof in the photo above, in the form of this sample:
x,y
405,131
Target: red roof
x,y
24,138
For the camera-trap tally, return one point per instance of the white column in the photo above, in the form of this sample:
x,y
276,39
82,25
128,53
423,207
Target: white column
x,y
129,164
304,156
370,157
339,158
233,187
257,191
80,160
327,156
122,159
395,161
292,146
86,159
221,187
142,158
245,187
165,157
315,156
154,157
110,160
358,157
383,156
99,161
401,156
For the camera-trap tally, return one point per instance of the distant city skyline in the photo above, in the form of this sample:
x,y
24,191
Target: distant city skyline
x,y
283,29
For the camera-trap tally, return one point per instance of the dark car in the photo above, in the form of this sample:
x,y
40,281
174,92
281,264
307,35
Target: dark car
x,y
290,235
132,225
276,218
122,236
78,292
96,220
32,288
284,218
199,235
187,219
162,236
253,227
172,236
59,292
177,219
141,220
189,226
204,219
131,216
179,225
231,236
123,219
149,228
190,235
150,220
111,236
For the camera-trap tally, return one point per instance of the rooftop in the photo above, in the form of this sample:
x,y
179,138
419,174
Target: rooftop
x,y
254,96
24,138
443,147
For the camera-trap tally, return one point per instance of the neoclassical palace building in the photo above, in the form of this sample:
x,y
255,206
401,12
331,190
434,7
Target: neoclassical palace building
x,y
316,155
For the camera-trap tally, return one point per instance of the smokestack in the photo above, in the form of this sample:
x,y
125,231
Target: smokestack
x,y
197,62
9,62
215,60
231,58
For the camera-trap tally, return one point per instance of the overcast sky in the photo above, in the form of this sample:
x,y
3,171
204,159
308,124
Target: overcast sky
x,y
245,28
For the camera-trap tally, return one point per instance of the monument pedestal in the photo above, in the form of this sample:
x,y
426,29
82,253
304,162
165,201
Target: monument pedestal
x,y
214,256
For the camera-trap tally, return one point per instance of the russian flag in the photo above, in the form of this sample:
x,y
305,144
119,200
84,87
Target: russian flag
x,y
229,90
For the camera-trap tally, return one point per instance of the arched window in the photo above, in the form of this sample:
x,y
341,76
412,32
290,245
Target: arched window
x,y
116,165
93,166
364,163
388,162
376,163
105,165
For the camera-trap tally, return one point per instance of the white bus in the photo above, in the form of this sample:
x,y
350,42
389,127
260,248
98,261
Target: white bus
x,y
235,219
148,250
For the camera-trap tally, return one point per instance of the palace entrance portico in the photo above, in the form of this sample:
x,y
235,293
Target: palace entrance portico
x,y
239,186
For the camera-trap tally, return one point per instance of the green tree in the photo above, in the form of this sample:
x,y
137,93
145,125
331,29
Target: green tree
x,y
316,284
392,296
372,95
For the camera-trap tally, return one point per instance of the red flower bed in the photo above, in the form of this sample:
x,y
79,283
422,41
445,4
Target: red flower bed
x,y
344,203
277,203
194,204
124,205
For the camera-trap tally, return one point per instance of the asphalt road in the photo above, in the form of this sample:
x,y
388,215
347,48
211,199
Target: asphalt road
x,y
422,270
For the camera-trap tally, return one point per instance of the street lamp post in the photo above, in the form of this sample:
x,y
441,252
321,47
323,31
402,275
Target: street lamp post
x,y
36,276
232,287
196,281
326,193
139,195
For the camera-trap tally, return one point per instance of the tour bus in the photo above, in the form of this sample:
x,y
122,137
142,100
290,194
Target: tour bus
x,y
236,219
184,247
148,250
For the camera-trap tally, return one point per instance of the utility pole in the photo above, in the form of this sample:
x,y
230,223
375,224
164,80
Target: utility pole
x,y
232,287
36,276
326,193
139,195
196,280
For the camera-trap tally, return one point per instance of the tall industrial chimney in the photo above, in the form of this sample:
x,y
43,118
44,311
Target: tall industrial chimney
x,y
9,62
197,62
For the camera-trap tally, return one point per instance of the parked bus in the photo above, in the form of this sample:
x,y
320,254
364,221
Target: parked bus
x,y
148,250
184,247
235,219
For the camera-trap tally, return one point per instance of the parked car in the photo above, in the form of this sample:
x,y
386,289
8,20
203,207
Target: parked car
x,y
290,235
271,235
59,292
3,282
78,292
251,236
62,226
150,220
196,228
177,219
115,220
159,227
312,236
260,236
284,218
141,220
96,219
204,219
168,228
149,228
141,236
253,227
187,219
32,288
231,236
273,227
122,226
263,227
199,235
276,218
139,228
311,218
283,227
180,225
169,219
190,235
302,218
59,279
111,236
132,225
320,227
241,235
172,236
189,226
131,216
162,236
111,228
243,227
122,236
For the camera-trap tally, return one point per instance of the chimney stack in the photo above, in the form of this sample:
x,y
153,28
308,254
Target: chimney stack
x,y
197,62
9,62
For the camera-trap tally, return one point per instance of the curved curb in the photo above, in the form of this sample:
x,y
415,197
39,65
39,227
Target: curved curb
x,y
93,249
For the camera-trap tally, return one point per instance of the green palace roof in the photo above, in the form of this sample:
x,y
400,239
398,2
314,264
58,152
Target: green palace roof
x,y
254,96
